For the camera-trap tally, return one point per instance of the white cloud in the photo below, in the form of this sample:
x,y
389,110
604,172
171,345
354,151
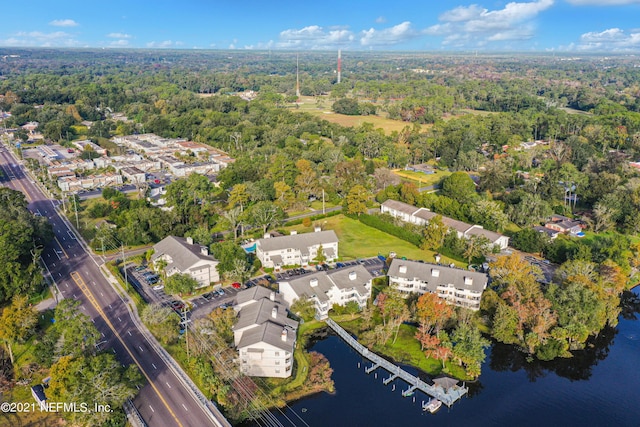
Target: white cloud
x,y
610,40
64,23
474,25
381,20
41,39
388,36
315,37
119,43
602,2
119,36
163,44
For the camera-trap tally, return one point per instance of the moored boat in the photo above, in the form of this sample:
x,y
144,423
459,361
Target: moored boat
x,y
432,405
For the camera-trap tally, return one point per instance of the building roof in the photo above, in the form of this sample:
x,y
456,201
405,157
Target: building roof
x,y
256,293
324,281
298,241
399,206
183,254
262,311
548,231
38,393
445,275
269,333
491,235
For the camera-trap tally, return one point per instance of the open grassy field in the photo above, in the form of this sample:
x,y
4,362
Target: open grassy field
x,y
421,179
321,107
361,241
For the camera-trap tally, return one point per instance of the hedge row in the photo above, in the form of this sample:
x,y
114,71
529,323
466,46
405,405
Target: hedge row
x,y
400,232
312,218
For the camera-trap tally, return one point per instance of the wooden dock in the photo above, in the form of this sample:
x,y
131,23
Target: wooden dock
x,y
448,397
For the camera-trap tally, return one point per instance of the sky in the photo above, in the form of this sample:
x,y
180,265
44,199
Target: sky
x,y
419,25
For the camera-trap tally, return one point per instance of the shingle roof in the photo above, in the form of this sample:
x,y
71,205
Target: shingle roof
x,y
399,206
255,293
339,278
260,312
183,254
446,275
491,235
298,241
269,333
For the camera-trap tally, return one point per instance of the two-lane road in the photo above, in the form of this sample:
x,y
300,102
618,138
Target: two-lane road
x,y
164,400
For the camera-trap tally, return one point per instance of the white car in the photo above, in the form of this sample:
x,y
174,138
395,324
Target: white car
x,y
158,287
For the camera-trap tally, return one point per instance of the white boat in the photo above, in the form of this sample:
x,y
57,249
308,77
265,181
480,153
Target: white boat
x,y
432,405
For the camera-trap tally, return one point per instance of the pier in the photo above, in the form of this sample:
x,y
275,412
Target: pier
x,y
448,396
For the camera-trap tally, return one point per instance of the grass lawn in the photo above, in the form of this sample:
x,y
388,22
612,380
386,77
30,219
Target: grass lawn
x,y
422,179
361,241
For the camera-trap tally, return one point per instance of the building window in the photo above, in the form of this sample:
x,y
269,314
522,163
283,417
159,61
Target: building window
x,y
277,353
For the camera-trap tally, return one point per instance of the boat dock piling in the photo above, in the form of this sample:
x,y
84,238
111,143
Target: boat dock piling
x,y
448,396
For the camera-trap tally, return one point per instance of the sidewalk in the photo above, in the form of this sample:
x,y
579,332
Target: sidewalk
x,y
47,304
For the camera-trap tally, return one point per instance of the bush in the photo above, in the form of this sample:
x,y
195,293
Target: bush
x,y
377,222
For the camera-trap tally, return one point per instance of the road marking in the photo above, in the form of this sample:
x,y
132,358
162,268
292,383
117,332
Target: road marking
x,y
129,332
151,408
60,244
167,384
154,366
101,294
141,350
76,277
66,284
110,308
102,334
185,408
60,274
119,319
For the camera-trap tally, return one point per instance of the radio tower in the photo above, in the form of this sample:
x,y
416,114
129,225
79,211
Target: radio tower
x,y
339,65
297,78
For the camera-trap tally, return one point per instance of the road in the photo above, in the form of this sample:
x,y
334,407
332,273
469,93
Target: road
x,y
164,400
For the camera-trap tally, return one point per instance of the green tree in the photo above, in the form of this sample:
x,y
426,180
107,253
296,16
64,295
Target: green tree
x,y
434,233
163,322
265,214
320,256
76,333
460,187
304,307
356,200
17,323
469,347
180,284
348,106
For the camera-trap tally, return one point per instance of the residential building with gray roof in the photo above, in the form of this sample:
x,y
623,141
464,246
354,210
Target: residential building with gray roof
x,y
456,286
326,288
296,249
182,256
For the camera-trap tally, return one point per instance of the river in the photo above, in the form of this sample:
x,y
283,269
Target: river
x,y
600,386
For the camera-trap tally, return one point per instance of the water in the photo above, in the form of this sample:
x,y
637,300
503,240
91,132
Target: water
x,y
598,387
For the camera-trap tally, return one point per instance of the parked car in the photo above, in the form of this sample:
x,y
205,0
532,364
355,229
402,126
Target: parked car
x,y
177,305
220,291
339,264
140,268
153,280
236,285
208,296
158,287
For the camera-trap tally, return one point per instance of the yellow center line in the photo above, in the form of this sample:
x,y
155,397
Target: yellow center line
x,y
85,290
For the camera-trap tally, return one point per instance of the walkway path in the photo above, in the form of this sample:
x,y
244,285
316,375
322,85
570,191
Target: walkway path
x,y
448,397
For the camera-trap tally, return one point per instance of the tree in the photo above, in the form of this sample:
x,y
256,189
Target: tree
x,y
238,196
432,312
304,307
163,322
460,187
348,106
475,247
284,195
385,177
434,233
489,214
320,255
227,253
265,214
307,180
76,333
468,348
99,379
529,240
223,321
17,323
356,200
233,218
180,284
495,177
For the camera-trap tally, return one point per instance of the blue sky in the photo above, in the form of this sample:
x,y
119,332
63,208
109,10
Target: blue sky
x,y
432,25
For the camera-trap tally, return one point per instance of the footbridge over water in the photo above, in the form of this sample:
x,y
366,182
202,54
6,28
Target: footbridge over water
x,y
448,396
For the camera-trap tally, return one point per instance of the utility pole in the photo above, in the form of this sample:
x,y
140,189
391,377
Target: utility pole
x,y
323,201
75,205
124,266
102,240
186,329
